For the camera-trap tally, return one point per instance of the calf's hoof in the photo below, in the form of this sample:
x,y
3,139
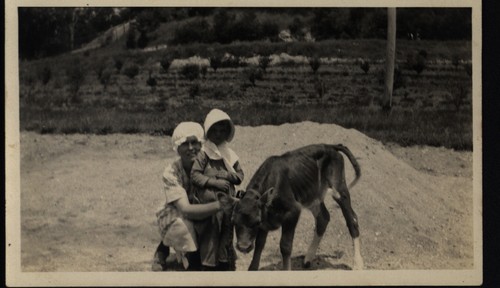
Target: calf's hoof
x,y
358,265
306,265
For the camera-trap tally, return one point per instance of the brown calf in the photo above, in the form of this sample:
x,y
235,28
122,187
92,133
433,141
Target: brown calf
x,y
285,184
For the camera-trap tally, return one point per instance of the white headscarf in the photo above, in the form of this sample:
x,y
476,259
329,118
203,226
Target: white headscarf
x,y
216,115
185,130
222,151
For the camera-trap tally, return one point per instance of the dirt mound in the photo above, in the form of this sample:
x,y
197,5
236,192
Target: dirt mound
x,y
400,210
88,203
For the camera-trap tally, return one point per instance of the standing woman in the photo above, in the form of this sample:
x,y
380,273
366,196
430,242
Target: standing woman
x,y
175,216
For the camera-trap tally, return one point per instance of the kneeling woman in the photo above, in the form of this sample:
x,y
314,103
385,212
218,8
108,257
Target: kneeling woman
x,y
174,218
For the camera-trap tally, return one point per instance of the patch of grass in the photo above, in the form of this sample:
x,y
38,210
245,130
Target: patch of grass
x,y
434,128
47,129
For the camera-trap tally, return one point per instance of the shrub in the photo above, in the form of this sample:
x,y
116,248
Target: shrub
x,y
455,60
269,29
143,40
275,99
296,26
264,62
362,97
197,30
99,68
220,92
105,77
468,68
191,71
399,80
194,90
247,27
320,88
104,130
141,58
287,63
245,49
131,42
147,20
118,64
254,73
161,103
458,94
203,71
44,75
132,128
416,62
165,62
364,65
305,49
420,64
314,62
264,48
215,62
151,82
289,99
232,62
223,26
75,76
423,53
131,70
47,129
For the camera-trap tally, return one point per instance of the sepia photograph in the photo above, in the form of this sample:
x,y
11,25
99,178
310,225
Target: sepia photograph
x,y
178,143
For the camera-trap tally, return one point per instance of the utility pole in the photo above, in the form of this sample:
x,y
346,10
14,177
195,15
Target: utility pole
x,y
72,27
390,58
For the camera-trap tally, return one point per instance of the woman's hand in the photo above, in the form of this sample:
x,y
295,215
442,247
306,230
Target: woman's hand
x,y
226,202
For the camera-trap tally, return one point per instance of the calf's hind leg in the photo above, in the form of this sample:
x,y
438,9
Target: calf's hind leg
x,y
344,201
322,217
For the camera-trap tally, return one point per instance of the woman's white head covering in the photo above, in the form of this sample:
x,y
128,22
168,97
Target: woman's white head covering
x,y
185,130
216,115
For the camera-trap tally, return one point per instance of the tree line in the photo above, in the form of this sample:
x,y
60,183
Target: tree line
x,y
50,31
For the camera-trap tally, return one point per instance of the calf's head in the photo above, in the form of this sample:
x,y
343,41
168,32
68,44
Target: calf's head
x,y
248,216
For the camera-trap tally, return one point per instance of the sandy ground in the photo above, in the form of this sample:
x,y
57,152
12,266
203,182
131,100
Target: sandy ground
x,y
88,202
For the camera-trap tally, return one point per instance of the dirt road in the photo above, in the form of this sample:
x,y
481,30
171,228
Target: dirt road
x,y
88,202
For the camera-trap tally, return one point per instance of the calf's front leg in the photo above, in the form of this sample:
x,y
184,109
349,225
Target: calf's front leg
x,y
322,217
260,242
286,242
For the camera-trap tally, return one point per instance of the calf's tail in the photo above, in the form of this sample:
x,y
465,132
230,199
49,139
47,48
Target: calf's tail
x,y
354,162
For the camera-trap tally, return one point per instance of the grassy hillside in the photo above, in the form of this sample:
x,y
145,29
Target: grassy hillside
x,y
90,92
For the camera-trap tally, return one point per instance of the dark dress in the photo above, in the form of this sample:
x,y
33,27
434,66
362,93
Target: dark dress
x,y
215,234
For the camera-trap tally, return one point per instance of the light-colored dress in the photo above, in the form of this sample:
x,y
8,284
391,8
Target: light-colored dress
x,y
175,230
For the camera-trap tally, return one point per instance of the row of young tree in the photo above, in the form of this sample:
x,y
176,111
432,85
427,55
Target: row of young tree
x,y
49,31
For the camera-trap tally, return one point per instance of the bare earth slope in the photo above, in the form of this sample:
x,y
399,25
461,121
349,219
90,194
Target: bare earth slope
x,y
88,202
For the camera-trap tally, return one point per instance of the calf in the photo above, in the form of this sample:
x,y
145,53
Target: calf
x,y
281,187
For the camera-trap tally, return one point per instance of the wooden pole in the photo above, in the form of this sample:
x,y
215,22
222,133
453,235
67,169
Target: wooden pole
x,y
390,58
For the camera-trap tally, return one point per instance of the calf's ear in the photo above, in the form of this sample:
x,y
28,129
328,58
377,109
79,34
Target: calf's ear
x,y
268,196
226,201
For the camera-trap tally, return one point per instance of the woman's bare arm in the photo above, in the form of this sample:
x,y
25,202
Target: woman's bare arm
x,y
197,211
